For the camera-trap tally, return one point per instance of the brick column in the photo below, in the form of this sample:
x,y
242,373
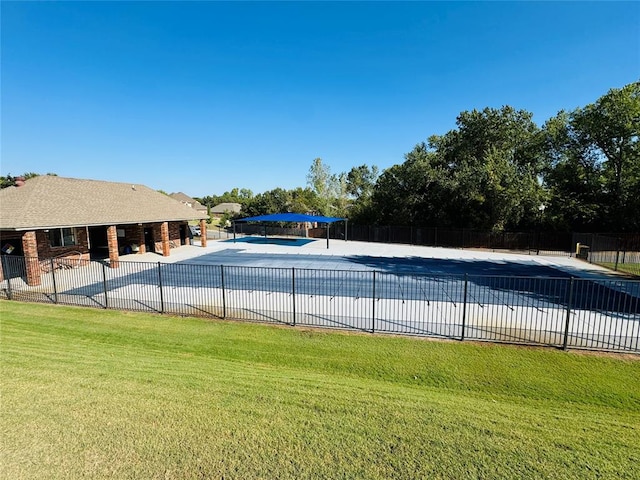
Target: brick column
x,y
112,241
1,270
141,242
32,263
203,233
164,234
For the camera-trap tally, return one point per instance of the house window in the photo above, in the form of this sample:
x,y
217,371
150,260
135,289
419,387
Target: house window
x,y
62,237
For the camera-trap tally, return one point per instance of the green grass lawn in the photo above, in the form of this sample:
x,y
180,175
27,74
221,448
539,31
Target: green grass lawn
x,y
631,268
107,394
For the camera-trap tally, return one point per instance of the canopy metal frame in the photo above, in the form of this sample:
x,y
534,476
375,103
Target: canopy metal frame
x,y
292,217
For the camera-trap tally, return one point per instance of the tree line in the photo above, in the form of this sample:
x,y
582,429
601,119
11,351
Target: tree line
x,y
10,180
337,195
497,170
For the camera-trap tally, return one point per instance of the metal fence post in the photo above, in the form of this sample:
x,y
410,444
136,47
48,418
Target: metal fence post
x,y
224,301
53,278
7,276
293,293
569,305
373,317
160,285
104,285
464,306
618,242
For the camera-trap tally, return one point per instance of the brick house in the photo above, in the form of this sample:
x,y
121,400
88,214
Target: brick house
x,y
222,208
188,201
52,217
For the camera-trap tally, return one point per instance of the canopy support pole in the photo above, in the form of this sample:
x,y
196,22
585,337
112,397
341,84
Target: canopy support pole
x,y
328,224
234,231
346,228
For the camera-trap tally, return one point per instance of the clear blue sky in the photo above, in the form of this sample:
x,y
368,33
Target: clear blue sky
x,y
202,97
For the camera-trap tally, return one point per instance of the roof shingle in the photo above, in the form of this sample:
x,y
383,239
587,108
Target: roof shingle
x,y
226,207
52,202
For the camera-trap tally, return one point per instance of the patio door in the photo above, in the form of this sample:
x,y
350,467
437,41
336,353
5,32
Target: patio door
x,y
98,243
149,242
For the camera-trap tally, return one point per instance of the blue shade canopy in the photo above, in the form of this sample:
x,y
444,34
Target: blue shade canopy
x,y
290,217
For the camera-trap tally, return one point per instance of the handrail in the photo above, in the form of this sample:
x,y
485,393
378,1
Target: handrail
x,y
63,260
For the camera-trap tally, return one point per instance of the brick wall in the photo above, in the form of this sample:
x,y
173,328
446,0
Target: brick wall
x,y
134,234
174,232
45,250
112,240
174,235
32,263
157,237
203,233
164,230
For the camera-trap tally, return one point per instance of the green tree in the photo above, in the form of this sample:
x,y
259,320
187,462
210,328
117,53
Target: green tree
x,y
278,200
361,180
272,201
415,192
573,177
484,174
342,203
611,127
325,185
237,195
7,181
360,184
302,200
494,160
593,171
10,181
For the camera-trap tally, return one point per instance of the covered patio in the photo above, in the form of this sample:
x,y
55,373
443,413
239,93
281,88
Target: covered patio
x,y
49,218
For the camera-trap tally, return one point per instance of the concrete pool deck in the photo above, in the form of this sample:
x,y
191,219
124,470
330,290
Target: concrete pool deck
x,y
367,256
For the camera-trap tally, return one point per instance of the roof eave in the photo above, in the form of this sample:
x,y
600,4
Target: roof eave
x,y
97,224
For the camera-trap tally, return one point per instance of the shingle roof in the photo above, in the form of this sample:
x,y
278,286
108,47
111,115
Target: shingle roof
x,y
52,202
184,198
226,207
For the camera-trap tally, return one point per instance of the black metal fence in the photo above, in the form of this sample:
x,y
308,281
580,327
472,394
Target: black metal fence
x,y
534,243
600,314
257,229
620,252
528,242
612,250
